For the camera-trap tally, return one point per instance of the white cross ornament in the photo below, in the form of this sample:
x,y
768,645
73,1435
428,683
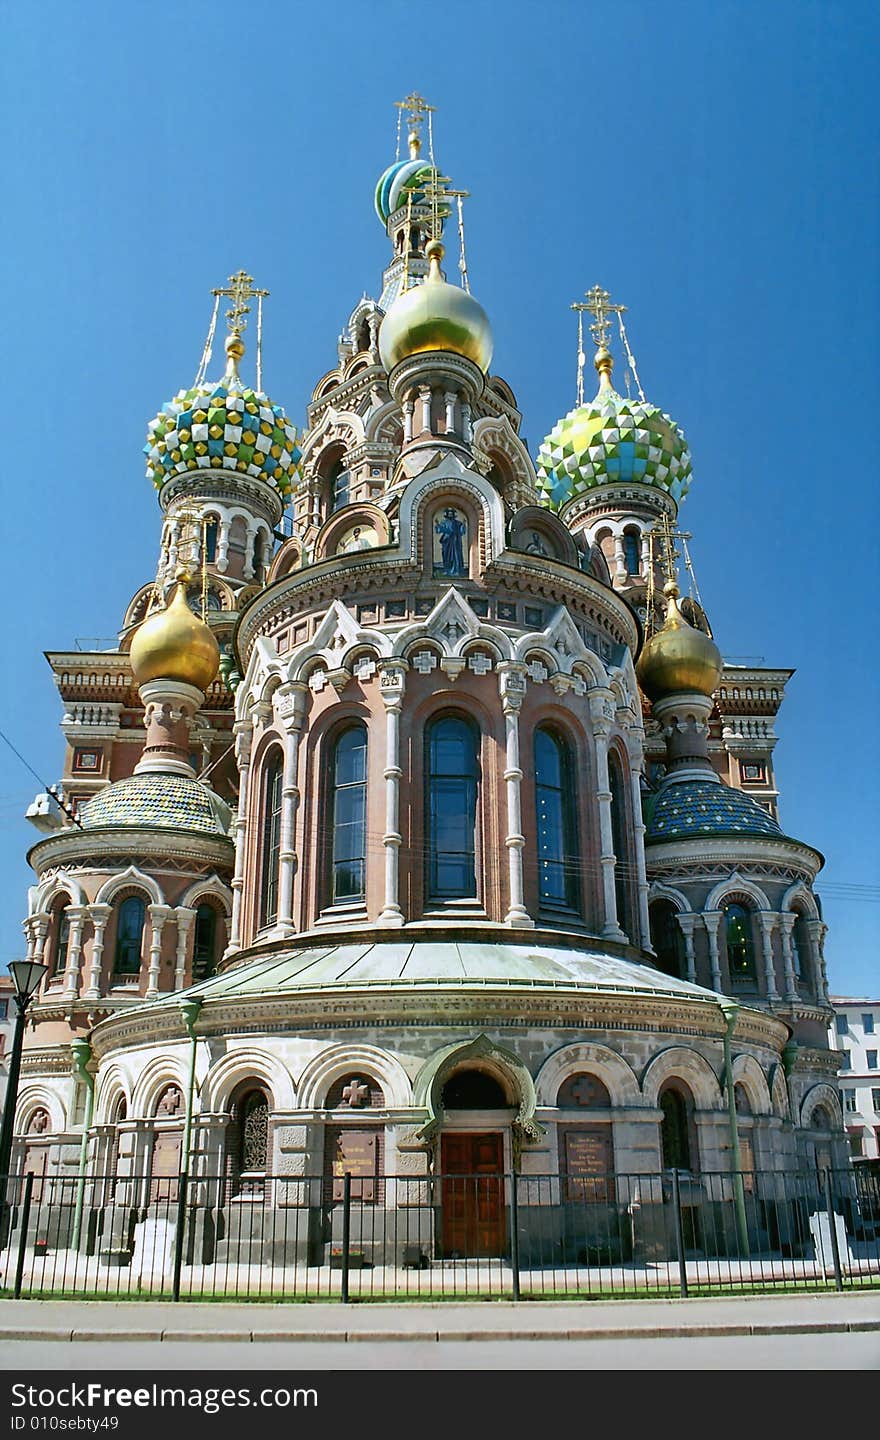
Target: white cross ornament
x,y
480,664
425,662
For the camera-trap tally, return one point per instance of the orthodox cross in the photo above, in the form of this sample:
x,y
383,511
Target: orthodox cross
x,y
355,1093
598,303
438,193
239,290
417,108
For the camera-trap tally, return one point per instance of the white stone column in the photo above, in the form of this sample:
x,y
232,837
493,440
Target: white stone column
x,y
222,545
686,922
173,540
244,734
512,687
40,935
466,434
602,714
158,916
787,922
408,408
450,398
77,916
635,760
392,680
99,914
768,919
712,919
619,558
185,918
817,930
290,706
645,552
249,538
425,399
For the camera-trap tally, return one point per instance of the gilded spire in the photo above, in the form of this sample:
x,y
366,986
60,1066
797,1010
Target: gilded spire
x,y
598,303
417,108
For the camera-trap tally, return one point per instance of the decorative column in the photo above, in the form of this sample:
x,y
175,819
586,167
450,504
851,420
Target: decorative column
x,y
817,930
686,922
244,734
173,539
425,398
512,688
249,538
392,680
408,408
222,559
712,920
99,915
619,558
787,922
39,935
768,919
77,916
290,707
184,917
465,412
635,760
158,915
602,714
450,398
645,552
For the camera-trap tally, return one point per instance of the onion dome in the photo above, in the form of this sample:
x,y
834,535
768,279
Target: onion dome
x,y
400,180
223,427
678,657
612,441
157,802
174,644
435,315
706,807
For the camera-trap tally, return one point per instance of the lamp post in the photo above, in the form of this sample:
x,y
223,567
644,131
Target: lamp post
x,y
26,977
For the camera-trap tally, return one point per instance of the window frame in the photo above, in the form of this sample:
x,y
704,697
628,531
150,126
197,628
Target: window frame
x,y
569,825
434,898
332,790
126,900
748,975
271,804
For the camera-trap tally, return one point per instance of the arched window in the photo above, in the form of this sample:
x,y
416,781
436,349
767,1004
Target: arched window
x,y
58,963
473,1090
452,777
675,1139
740,945
247,1140
800,950
270,839
129,934
618,839
340,485
204,942
632,552
348,815
666,937
555,807
211,530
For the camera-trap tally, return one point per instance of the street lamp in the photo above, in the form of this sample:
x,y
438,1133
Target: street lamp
x,y
26,977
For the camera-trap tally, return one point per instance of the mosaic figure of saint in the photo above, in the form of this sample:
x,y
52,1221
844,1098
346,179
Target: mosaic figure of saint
x,y
451,531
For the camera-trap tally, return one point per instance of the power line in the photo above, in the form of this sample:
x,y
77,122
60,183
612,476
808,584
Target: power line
x,y
65,809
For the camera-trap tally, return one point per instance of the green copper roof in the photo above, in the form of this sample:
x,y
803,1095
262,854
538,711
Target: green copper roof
x,y
157,802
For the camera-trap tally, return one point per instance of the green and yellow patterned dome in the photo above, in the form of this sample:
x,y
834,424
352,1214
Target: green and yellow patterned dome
x,y
223,427
612,441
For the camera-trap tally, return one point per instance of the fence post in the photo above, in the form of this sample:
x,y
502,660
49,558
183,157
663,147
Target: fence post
x,y
182,1188
679,1234
346,1234
835,1248
514,1235
22,1236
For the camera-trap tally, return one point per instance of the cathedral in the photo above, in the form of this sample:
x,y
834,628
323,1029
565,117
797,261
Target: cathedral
x,y
416,826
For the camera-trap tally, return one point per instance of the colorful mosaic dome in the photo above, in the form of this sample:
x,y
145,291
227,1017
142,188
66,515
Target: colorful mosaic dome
x,y
401,178
157,802
223,427
706,807
612,441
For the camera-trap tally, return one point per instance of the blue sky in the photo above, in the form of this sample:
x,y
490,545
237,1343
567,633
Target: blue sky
x,y
712,164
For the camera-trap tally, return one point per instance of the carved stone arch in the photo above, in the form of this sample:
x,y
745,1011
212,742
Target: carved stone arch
x,y
61,883
271,682
209,887
288,557
451,476
263,661
139,605
549,529
736,884
800,892
331,1064
748,1073
134,878
376,423
563,643
779,1090
326,385
495,432
335,644
483,1054
32,1098
824,1095
341,521
607,1065
658,891
237,1067
157,1074
680,1062
113,1083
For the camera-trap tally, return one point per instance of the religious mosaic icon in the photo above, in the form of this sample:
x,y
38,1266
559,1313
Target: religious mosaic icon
x,y
451,543
360,537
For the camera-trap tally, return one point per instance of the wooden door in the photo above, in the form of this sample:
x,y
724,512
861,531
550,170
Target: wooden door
x,y
165,1166
473,1215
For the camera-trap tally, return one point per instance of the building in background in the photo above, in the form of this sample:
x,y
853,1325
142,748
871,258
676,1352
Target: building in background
x,y
855,1033
7,1026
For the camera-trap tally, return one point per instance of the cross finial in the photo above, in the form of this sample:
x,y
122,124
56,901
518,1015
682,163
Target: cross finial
x,y
601,307
417,108
239,290
438,192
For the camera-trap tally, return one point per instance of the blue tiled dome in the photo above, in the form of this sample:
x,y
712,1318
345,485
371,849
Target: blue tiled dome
x,y
157,802
706,807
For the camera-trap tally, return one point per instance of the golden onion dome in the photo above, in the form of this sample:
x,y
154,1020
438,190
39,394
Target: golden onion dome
x,y
435,316
678,657
174,644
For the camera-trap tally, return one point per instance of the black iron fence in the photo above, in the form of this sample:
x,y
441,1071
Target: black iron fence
x,y
286,1237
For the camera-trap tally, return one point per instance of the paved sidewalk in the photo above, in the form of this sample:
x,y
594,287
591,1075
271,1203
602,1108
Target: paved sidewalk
x,y
120,1321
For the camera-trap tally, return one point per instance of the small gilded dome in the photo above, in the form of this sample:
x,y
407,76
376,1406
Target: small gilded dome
x,y
435,316
612,441
678,658
174,644
226,426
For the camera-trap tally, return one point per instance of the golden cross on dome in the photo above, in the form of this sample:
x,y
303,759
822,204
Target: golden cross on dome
x,y
417,108
600,306
239,290
438,192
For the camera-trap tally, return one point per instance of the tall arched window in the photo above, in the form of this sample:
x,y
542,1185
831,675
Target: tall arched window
x,y
618,839
58,963
270,839
340,485
632,552
204,942
130,919
347,812
555,808
800,950
740,945
247,1140
675,1139
666,937
211,530
452,778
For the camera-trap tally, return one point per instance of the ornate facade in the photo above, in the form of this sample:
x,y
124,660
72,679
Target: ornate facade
x,y
455,864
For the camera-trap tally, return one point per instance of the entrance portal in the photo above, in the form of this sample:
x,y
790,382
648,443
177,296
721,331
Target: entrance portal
x,y
474,1222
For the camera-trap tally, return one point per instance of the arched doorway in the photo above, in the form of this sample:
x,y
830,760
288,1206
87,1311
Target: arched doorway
x,y
473,1213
